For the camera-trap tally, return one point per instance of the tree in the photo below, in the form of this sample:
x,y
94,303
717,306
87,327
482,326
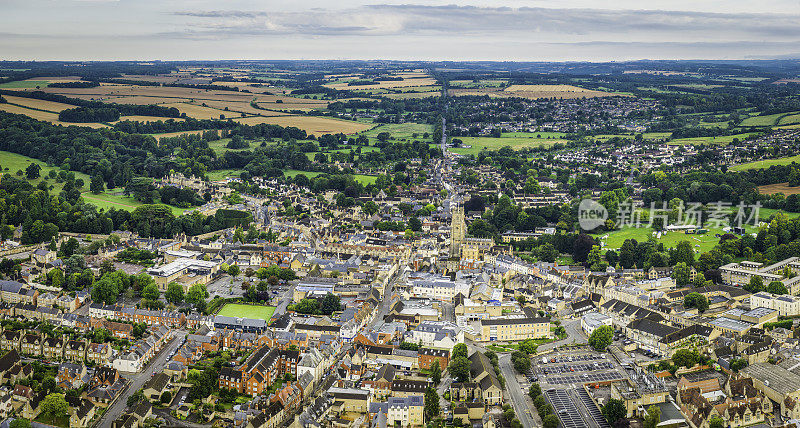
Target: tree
x,y
685,358
459,368
331,303
197,293
716,422
150,292
738,364
68,248
436,372
534,391
550,421
54,406
653,417
521,361
431,403
166,397
234,271
97,185
174,293
33,171
777,287
614,410
756,284
681,274
460,350
696,300
601,338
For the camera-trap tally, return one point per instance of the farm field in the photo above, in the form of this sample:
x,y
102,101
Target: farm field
x,y
35,104
221,174
766,163
292,173
479,143
790,119
175,134
767,120
24,84
247,311
784,188
311,124
45,116
148,119
200,112
410,81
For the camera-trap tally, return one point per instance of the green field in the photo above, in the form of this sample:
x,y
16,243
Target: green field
x,y
768,120
790,119
722,139
247,311
114,199
12,162
517,143
400,131
221,174
766,163
545,135
24,84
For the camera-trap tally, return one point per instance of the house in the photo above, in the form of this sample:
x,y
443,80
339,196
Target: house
x,y
483,374
426,357
156,386
71,375
81,412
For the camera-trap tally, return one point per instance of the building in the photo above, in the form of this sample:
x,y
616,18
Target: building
x,y
786,305
594,320
184,271
512,329
405,411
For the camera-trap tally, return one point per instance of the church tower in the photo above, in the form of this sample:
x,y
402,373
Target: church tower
x,y
457,232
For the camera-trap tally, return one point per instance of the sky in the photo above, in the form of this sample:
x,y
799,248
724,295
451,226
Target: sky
x,y
494,30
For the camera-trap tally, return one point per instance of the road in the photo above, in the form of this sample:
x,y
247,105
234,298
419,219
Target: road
x,y
518,397
138,380
574,335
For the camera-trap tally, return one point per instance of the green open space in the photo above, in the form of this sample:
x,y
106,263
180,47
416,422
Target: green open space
x,y
765,163
239,310
722,139
766,120
24,84
13,162
400,131
479,143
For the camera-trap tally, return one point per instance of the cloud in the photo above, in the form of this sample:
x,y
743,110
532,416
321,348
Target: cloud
x,y
389,20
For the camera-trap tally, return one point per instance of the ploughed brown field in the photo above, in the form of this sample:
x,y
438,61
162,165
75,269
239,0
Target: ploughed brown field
x,y
784,188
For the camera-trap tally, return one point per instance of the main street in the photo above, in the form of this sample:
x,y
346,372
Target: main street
x,y
519,398
574,335
156,365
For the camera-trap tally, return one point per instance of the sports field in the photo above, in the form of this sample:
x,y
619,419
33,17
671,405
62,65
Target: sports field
x,y
247,311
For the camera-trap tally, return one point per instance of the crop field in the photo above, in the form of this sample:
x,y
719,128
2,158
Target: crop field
x,y
241,108
311,124
406,82
148,119
766,163
771,189
479,143
175,134
38,104
200,112
44,116
247,311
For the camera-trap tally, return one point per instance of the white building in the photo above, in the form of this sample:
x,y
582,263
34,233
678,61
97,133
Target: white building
x,y
594,320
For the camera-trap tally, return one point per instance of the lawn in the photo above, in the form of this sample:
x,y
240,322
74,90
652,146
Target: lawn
x,y
221,174
723,139
24,84
114,198
400,131
12,162
766,163
247,311
517,143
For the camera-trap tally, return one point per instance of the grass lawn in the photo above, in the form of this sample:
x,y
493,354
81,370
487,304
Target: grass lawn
x,y
479,143
790,119
12,162
701,243
24,84
292,173
113,198
247,311
400,131
221,174
546,135
766,163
